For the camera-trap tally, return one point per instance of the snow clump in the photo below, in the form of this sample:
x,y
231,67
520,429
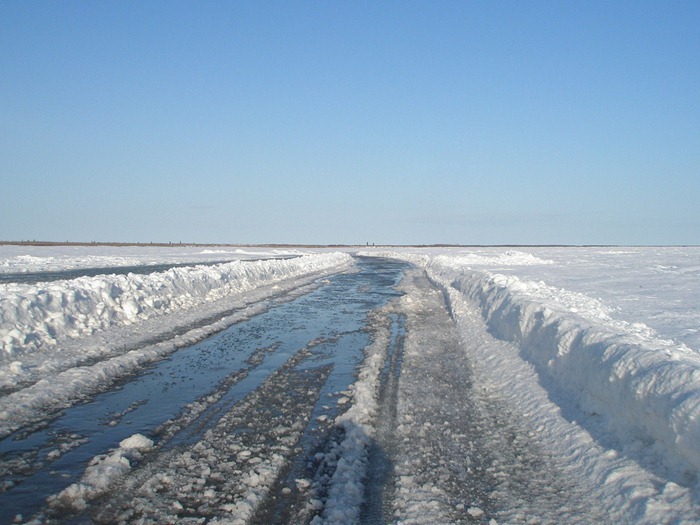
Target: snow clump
x,y
101,474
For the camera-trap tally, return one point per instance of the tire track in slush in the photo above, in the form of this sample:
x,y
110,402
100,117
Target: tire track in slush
x,y
380,485
229,471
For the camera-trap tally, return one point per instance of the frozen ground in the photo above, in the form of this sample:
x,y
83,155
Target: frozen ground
x,y
548,385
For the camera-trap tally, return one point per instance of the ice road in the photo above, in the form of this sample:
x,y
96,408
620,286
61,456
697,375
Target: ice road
x,y
366,390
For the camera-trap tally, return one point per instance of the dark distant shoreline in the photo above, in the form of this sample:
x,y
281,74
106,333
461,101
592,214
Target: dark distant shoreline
x,y
283,245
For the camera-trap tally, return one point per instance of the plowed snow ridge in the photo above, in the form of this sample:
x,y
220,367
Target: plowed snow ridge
x,y
36,316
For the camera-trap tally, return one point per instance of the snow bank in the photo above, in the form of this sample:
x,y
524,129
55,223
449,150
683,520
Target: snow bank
x,y
468,258
646,389
643,389
508,258
42,315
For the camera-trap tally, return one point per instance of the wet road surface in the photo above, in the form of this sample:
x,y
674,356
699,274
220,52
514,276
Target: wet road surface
x,y
315,342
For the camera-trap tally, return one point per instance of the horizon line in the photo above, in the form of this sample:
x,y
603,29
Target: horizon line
x,y
337,245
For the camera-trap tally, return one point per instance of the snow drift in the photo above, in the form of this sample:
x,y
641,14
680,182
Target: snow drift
x,y
42,315
643,389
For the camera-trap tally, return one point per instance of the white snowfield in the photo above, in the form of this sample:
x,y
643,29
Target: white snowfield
x,y
20,259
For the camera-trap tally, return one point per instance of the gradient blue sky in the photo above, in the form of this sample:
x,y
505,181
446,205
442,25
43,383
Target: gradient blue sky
x,y
349,122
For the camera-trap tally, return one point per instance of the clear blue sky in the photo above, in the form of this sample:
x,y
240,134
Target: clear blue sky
x,y
350,122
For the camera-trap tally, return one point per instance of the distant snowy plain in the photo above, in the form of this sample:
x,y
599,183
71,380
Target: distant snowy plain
x,y
597,349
